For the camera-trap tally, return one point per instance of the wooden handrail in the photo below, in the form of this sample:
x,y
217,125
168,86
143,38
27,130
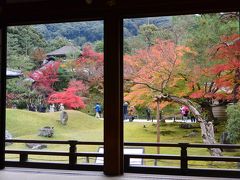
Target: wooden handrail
x,y
214,158
72,153
151,144
154,156
37,152
90,154
225,146
54,142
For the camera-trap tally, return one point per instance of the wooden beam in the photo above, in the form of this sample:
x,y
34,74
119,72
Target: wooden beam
x,y
3,37
61,11
113,95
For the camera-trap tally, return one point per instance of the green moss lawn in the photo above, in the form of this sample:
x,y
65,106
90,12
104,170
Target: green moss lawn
x,y
24,124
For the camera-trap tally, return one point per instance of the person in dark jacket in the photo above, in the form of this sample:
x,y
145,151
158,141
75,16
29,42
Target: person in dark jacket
x,y
98,110
148,113
125,110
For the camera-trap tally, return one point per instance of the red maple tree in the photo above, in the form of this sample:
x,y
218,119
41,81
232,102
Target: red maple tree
x,y
89,66
70,97
81,88
223,77
46,76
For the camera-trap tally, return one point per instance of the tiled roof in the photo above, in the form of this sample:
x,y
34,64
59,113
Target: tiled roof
x,y
63,51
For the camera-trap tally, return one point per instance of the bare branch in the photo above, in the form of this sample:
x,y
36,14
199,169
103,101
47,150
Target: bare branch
x,y
134,82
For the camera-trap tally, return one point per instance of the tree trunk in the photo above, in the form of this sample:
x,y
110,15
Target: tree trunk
x,y
209,114
207,130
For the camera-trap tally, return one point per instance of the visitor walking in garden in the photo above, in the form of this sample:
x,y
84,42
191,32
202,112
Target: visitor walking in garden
x,y
131,113
32,107
52,108
61,108
125,110
193,119
98,110
148,112
184,111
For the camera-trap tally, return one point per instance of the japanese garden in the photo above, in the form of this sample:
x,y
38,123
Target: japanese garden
x,y
181,84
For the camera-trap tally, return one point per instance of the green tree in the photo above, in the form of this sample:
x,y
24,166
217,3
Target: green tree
x,y
204,33
57,43
148,32
233,123
23,39
98,46
132,44
21,92
64,77
21,43
20,62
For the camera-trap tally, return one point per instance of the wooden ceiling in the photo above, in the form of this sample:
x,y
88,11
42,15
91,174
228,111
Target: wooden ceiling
x,y
43,11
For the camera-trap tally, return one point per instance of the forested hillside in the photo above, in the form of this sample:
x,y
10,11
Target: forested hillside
x,y
82,32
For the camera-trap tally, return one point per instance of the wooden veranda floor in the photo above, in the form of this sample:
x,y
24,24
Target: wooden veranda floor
x,y
42,174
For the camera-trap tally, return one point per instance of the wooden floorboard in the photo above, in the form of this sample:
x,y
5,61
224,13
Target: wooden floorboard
x,y
43,174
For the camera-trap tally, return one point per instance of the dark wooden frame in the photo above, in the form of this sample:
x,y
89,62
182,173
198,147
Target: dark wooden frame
x,y
112,12
3,50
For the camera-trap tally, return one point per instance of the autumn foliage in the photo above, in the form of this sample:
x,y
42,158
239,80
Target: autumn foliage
x,y
223,78
46,76
69,97
89,66
156,66
88,70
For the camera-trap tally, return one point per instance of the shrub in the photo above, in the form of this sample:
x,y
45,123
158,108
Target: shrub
x,y
233,122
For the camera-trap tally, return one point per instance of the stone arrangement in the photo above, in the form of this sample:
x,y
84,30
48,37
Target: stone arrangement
x,y
63,117
46,131
35,146
192,134
186,126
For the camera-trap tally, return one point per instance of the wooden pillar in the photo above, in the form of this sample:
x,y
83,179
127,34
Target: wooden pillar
x,y
2,85
113,95
158,128
158,125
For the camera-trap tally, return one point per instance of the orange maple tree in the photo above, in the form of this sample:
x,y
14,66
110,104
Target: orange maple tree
x,y
160,68
152,70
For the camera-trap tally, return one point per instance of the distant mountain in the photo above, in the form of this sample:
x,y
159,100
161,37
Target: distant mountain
x,y
131,26
78,32
90,31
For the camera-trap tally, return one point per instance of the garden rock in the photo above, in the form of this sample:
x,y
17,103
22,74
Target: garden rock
x,y
46,131
35,146
8,136
63,117
186,126
192,134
